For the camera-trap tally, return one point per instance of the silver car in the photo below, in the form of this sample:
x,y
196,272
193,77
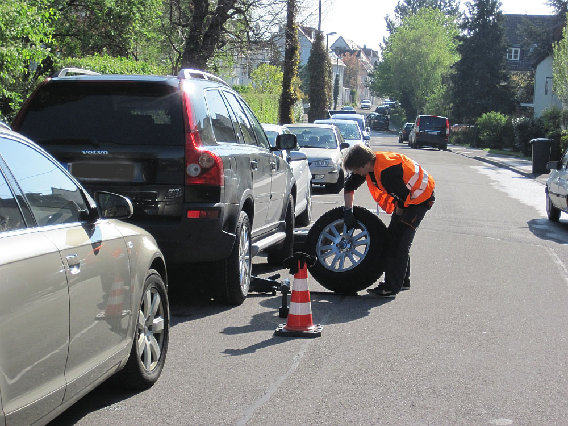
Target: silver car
x,y
82,295
323,144
298,162
557,188
349,129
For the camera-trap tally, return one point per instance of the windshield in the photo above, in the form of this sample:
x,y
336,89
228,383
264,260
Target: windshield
x,y
271,134
314,137
430,122
348,130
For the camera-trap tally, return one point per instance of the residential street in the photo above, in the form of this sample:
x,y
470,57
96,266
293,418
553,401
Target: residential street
x,y
480,338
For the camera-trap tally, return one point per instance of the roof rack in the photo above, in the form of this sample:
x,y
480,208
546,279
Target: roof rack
x,y
65,71
191,73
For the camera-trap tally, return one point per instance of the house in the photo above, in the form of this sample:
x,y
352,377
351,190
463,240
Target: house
x,y
543,96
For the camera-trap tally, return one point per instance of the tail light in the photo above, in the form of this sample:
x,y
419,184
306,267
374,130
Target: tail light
x,y
202,167
447,127
417,125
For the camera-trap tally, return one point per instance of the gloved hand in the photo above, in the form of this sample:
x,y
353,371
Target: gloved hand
x,y
349,218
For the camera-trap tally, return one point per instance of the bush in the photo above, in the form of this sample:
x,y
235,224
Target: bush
x,y
463,135
552,119
113,65
265,107
492,127
564,141
526,129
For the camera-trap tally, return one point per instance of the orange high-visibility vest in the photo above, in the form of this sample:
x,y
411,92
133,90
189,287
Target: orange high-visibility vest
x,y
417,180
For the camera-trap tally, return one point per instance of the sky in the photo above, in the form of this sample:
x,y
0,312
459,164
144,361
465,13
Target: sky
x,y
363,22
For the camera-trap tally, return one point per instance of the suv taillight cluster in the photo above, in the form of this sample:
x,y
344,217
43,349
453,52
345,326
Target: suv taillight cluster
x,y
202,167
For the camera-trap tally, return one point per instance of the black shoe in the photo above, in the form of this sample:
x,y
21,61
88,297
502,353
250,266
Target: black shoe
x,y
405,285
381,291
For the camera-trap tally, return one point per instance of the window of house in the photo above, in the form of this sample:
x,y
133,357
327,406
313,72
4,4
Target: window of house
x,y
513,53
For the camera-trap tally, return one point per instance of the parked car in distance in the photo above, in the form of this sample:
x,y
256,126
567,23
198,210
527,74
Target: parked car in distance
x,y
83,296
298,162
349,129
189,153
431,130
366,104
347,108
359,118
556,188
404,132
383,110
377,121
323,144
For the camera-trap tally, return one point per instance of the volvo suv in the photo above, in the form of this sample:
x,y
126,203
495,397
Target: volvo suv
x,y
431,130
190,155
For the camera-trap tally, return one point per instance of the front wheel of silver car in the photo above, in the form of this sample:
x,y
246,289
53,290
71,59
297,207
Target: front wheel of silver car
x,y
151,336
552,212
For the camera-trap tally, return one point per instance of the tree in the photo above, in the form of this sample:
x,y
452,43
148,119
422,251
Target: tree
x,y
319,67
291,58
560,67
267,79
416,61
406,8
26,28
481,81
351,75
335,91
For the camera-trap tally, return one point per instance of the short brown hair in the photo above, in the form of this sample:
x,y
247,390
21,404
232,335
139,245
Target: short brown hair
x,y
358,156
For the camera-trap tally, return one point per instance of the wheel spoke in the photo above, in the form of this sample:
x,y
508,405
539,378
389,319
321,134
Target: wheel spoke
x,y
156,303
147,355
147,303
140,343
158,325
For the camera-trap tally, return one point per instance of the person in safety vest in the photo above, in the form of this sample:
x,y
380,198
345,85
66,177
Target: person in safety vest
x,y
400,186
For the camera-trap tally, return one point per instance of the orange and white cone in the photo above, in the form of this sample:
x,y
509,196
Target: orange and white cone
x,y
300,322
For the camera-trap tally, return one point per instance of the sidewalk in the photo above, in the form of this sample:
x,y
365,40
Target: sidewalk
x,y
518,165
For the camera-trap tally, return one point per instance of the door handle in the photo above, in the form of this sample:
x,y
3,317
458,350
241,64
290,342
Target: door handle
x,y
253,165
73,263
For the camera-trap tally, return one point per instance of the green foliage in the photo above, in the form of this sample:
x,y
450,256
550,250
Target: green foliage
x,y
319,67
495,130
560,67
335,91
480,81
525,129
564,141
110,65
26,28
264,106
267,79
551,118
416,60
464,135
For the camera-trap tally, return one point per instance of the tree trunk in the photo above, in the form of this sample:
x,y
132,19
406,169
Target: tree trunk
x,y
291,57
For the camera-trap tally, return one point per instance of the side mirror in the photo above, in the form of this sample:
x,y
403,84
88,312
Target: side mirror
x,y
553,165
344,145
368,129
366,137
296,156
287,141
113,206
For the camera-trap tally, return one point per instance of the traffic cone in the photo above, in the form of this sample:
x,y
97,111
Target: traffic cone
x,y
299,322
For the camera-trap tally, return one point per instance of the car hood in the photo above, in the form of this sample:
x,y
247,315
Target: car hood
x,y
313,153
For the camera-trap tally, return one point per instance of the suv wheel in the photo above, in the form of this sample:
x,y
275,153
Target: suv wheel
x,y
552,212
347,261
276,255
237,267
150,343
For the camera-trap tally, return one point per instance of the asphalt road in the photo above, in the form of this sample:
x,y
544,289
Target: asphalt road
x,y
480,338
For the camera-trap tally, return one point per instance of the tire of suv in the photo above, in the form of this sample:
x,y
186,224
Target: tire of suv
x,y
237,267
552,212
146,362
277,254
305,217
347,261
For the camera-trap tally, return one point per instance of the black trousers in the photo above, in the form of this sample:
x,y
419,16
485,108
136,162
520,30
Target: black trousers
x,y
401,230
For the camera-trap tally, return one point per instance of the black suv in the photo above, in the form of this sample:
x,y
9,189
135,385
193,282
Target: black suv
x,y
431,130
188,152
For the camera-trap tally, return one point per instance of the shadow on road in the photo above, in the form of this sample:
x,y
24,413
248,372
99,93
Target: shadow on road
x,y
547,230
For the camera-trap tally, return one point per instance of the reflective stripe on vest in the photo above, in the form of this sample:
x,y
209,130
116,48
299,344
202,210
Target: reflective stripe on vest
x,y
411,185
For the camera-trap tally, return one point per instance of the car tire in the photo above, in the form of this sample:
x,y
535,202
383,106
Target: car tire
x,y
347,261
400,139
277,254
151,337
238,266
305,217
337,186
552,212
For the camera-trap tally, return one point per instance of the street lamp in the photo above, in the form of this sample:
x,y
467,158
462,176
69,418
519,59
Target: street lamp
x,y
327,39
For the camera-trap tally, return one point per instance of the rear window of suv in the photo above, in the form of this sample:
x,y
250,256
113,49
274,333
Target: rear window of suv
x,y
122,113
431,122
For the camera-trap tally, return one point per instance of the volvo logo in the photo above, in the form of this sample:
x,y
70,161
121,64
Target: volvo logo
x,y
94,152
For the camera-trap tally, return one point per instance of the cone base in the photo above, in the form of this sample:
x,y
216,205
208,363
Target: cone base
x,y
314,331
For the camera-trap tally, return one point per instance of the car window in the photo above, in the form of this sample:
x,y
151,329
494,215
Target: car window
x,y
256,126
52,195
103,112
432,123
10,216
314,137
245,126
220,119
271,135
349,130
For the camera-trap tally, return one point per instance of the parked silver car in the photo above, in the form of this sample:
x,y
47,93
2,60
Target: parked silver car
x,y
322,143
349,129
82,295
557,188
298,162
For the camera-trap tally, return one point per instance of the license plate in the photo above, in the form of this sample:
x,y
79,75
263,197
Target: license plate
x,y
103,171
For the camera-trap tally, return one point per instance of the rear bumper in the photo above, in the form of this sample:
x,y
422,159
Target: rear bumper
x,y
432,140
